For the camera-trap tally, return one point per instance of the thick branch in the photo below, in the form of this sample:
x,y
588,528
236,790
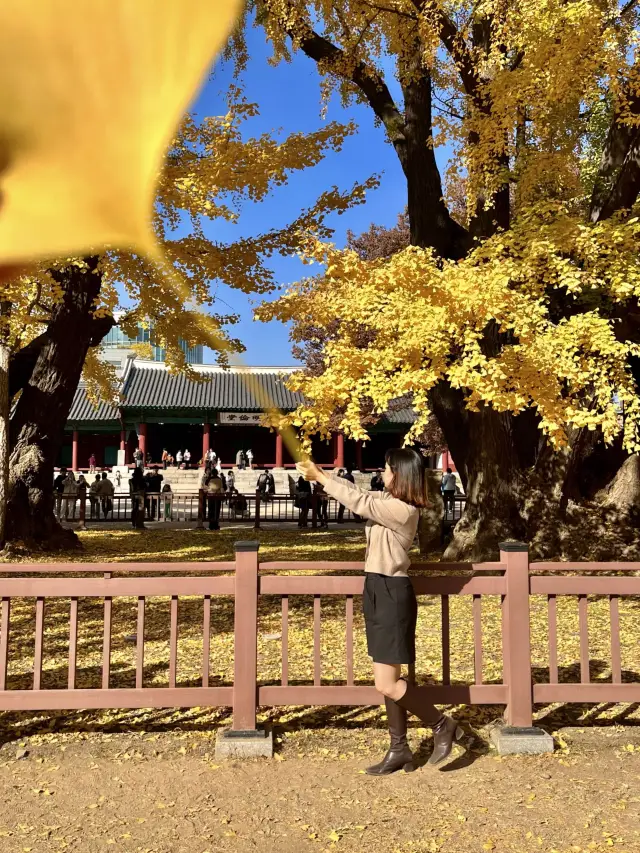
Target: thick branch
x,y
618,182
457,48
368,80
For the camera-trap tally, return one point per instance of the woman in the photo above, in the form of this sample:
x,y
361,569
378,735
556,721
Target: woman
x,y
167,496
389,602
70,495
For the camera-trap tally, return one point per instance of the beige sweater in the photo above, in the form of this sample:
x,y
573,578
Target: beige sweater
x,y
390,530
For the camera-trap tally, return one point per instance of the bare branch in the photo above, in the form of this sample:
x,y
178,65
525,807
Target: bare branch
x,y
365,78
389,9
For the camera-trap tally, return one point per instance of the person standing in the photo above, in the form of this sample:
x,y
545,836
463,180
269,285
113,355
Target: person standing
x,y
139,458
154,485
322,504
250,458
106,493
82,496
94,498
187,457
92,463
204,481
179,459
136,490
266,484
167,496
165,459
449,485
348,476
70,495
377,483
231,477
58,489
389,602
302,501
215,492
240,460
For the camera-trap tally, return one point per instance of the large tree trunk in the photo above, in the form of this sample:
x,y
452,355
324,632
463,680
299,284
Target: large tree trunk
x,y
5,310
37,426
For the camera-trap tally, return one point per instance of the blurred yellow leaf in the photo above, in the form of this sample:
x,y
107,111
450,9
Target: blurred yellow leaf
x,y
91,96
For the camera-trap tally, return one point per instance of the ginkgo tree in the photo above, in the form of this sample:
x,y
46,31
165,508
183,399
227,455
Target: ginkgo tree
x,y
513,316
61,312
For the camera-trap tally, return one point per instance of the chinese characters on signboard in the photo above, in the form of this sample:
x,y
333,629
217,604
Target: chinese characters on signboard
x,y
241,418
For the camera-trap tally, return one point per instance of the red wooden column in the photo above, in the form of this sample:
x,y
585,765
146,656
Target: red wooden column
x,y
74,451
359,455
338,462
142,439
206,434
123,445
279,455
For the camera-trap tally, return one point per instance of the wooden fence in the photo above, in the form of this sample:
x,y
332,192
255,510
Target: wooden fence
x,y
246,580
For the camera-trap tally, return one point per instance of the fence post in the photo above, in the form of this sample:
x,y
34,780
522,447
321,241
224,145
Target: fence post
x,y
244,739
515,557
257,521
518,735
200,522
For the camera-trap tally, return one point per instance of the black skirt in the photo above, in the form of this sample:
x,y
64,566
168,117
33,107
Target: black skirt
x,y
390,614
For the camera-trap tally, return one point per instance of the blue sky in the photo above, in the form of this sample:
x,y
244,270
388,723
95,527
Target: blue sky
x,y
289,98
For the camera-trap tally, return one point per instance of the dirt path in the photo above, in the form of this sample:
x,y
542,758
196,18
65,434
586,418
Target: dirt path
x,y
165,793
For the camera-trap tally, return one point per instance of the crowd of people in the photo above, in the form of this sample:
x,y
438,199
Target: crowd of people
x,y
303,500
70,492
152,498
219,488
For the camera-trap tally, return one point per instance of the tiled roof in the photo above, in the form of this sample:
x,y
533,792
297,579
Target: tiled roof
x,y
153,387
402,416
148,385
82,409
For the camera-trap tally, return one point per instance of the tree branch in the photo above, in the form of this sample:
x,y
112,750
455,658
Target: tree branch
x,y
389,9
368,80
457,48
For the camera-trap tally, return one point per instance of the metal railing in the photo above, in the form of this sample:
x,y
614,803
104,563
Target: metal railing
x,y
193,507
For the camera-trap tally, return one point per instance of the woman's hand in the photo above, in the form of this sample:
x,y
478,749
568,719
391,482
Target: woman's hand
x,y
310,471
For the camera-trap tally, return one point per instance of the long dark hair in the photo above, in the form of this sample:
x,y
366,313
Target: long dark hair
x,y
408,484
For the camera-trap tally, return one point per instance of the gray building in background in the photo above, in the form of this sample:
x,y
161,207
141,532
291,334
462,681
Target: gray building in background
x,y
117,346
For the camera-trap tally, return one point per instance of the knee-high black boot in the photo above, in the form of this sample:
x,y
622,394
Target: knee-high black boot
x,y
399,756
445,729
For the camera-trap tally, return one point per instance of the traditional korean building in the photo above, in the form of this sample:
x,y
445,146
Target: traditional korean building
x,y
159,410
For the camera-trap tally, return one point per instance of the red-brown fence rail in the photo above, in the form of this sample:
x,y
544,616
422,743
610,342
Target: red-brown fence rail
x,y
249,584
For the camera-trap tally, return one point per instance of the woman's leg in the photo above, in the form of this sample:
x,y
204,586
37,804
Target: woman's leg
x,y
399,756
445,729
388,681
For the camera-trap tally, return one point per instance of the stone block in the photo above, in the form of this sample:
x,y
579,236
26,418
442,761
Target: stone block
x,y
244,744
514,740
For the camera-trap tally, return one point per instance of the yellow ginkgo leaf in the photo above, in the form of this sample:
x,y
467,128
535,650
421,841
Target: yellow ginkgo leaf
x,y
91,95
